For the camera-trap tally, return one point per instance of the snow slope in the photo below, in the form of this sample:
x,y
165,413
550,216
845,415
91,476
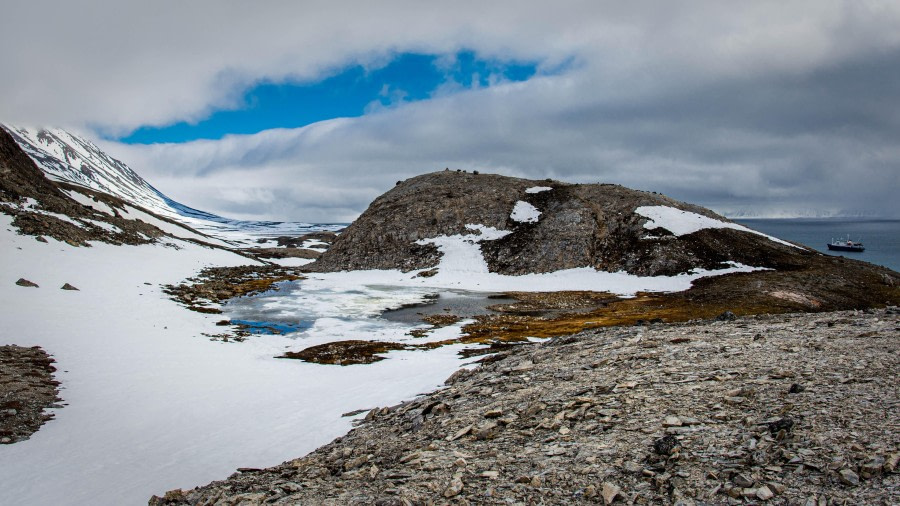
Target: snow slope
x,y
685,222
152,404
69,158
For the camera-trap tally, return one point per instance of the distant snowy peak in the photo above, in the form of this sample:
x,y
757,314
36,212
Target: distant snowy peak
x,y
68,158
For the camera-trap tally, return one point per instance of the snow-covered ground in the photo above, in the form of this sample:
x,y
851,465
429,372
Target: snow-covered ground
x,y
151,404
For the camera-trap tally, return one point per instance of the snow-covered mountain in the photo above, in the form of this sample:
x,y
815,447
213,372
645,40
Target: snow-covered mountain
x,y
69,158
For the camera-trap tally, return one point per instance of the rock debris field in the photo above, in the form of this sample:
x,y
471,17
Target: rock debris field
x,y
787,409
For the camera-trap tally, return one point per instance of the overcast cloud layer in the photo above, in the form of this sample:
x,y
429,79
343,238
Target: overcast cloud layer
x,y
747,107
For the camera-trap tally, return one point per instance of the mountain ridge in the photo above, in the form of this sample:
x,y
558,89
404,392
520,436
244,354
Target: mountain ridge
x,y
69,158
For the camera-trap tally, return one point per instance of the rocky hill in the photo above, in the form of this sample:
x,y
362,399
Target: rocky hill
x,y
544,226
790,409
551,226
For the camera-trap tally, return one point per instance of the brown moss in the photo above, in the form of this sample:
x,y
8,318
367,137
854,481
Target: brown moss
x,y
259,285
206,310
344,352
441,320
215,285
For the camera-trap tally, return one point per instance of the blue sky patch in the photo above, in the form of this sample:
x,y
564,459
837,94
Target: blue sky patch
x,y
353,91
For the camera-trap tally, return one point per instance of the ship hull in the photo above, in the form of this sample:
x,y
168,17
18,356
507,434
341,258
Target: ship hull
x,y
839,247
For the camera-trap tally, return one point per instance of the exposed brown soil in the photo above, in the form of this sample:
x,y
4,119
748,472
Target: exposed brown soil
x,y
27,388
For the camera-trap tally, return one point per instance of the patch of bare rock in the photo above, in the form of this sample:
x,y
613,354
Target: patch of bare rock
x,y
27,388
784,409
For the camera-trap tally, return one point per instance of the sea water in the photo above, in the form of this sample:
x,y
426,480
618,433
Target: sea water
x,y
881,238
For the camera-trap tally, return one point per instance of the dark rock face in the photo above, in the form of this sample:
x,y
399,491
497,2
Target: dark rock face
x,y
580,225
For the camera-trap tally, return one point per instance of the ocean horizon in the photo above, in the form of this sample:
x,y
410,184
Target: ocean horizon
x,y
881,237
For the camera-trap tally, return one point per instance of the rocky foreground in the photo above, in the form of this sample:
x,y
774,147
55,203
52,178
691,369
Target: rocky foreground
x,y
786,409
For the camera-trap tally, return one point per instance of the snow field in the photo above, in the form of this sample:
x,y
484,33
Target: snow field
x,y
151,404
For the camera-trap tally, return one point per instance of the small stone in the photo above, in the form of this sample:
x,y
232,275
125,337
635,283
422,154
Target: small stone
x,y
67,286
491,475
5,440
796,388
40,238
536,481
564,431
462,432
26,283
735,492
784,424
460,462
848,477
727,316
777,488
665,445
764,494
609,492
455,487
672,421
742,481
485,431
872,467
891,462
493,413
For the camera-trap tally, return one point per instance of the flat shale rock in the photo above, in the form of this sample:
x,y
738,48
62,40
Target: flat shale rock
x,y
27,388
632,415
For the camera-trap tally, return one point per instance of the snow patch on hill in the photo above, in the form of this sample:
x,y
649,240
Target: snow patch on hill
x,y
523,212
685,222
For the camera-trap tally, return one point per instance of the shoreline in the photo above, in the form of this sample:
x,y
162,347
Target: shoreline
x,y
773,408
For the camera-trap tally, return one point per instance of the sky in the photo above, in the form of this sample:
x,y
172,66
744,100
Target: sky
x,y
304,110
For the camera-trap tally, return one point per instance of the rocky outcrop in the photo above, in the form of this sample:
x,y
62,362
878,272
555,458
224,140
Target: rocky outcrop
x,y
578,225
27,389
789,409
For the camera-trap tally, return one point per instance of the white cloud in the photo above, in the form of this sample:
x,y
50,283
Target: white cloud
x,y
777,103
